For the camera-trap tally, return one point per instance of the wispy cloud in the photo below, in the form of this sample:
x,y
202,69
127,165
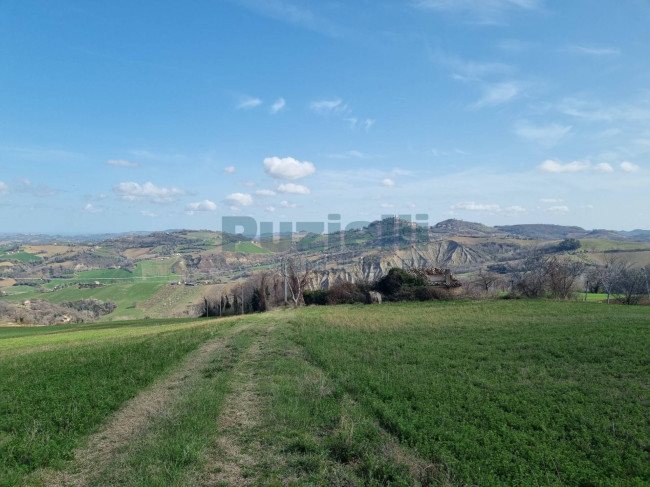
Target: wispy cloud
x,y
596,111
40,190
471,206
467,70
595,51
277,106
546,135
4,188
90,208
293,14
328,107
229,170
480,11
122,163
498,94
388,183
249,102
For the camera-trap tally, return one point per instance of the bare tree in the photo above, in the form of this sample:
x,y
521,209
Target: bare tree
x,y
532,279
608,275
297,280
485,280
562,274
631,283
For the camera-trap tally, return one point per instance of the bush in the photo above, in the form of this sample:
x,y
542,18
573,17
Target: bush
x,y
399,285
345,293
318,297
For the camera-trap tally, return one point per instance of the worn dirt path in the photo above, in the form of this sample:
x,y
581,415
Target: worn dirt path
x,y
133,418
241,415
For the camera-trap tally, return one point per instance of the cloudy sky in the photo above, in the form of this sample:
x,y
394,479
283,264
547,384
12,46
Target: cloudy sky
x,y
149,115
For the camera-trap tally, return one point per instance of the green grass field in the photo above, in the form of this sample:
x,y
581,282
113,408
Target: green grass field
x,y
439,393
124,294
22,257
250,248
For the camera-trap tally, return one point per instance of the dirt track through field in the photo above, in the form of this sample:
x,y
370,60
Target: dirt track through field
x,y
133,418
239,418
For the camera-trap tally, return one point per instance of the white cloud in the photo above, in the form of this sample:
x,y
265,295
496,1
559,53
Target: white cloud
x,y
229,170
4,189
471,206
270,209
287,168
278,105
249,102
293,188
147,213
368,123
92,209
558,209
545,135
287,204
248,184
387,205
131,191
239,199
265,192
629,167
389,183
326,107
514,210
595,51
551,200
604,167
122,163
558,167
205,205
498,94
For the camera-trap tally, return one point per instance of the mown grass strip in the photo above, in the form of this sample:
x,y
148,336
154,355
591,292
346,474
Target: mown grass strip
x,y
169,451
51,399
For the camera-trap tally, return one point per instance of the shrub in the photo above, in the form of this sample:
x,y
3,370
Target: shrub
x,y
345,293
318,297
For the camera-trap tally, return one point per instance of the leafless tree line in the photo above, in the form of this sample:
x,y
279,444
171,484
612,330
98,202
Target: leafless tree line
x,y
561,277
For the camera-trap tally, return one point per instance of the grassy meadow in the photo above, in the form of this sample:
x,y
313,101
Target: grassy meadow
x,y
439,393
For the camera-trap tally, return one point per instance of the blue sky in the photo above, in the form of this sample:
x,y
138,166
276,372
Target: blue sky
x,y
142,115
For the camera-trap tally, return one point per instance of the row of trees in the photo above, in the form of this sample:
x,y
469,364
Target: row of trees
x,y
561,277
539,275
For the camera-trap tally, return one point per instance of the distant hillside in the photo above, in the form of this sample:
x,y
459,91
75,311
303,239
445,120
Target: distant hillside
x,y
543,231
460,227
638,234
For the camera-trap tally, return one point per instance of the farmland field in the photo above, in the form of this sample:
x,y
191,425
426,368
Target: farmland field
x,y
440,393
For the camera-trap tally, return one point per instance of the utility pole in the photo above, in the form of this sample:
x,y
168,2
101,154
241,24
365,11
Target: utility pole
x,y
207,310
242,299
